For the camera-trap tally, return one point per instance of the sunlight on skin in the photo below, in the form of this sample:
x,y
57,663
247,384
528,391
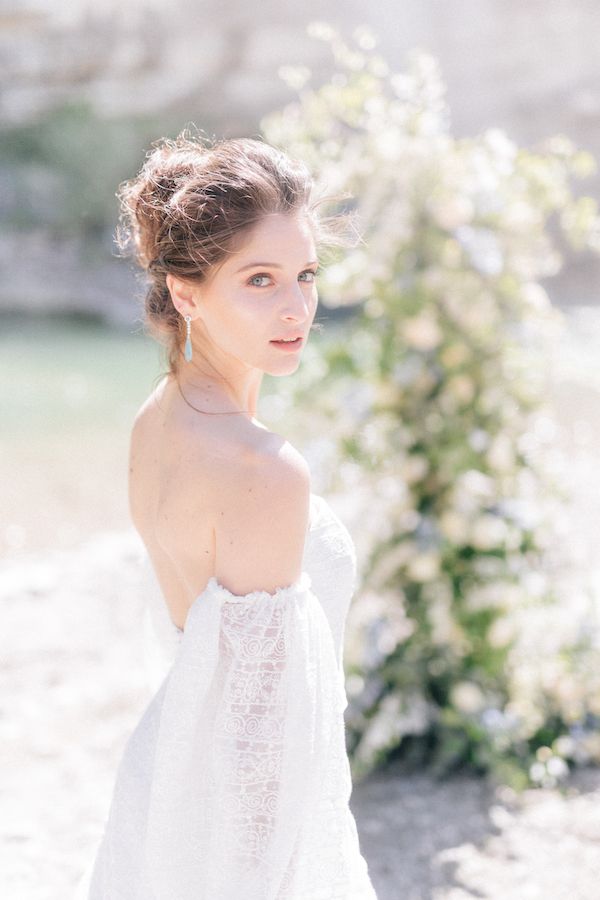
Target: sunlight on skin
x,y
242,307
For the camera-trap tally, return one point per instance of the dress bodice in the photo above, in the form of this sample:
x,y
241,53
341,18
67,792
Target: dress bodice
x,y
328,565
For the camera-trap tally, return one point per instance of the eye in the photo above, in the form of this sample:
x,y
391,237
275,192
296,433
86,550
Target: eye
x,y
254,277
312,272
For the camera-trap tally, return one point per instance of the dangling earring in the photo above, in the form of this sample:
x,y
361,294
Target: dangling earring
x,y
188,340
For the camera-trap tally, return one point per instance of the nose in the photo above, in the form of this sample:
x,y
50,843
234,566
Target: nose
x,y
297,303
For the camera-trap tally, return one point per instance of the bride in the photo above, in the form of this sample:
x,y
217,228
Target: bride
x,y
236,781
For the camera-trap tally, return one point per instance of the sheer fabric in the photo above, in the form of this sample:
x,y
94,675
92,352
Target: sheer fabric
x,y
236,781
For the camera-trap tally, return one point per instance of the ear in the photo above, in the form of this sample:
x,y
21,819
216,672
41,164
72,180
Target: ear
x,y
183,295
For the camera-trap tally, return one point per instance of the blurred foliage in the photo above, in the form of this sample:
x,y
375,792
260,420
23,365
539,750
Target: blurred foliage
x,y
60,173
64,168
471,642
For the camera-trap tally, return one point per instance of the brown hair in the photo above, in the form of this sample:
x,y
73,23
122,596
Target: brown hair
x,y
191,204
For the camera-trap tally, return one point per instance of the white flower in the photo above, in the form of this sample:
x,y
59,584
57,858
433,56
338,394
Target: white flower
x,y
487,532
495,720
483,248
402,84
360,399
535,583
520,216
453,526
386,725
424,566
471,489
354,685
479,439
484,596
504,150
535,296
537,772
500,454
336,273
391,488
294,76
413,467
454,354
394,559
451,212
461,387
467,697
421,331
390,144
501,632
564,745
441,620
557,767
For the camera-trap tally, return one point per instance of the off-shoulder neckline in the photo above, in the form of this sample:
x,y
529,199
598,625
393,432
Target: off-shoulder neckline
x,y
297,590
301,584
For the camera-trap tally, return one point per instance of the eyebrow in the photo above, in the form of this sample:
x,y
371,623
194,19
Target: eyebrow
x,y
267,265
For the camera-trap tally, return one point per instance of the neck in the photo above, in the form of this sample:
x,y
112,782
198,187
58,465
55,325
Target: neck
x,y
218,398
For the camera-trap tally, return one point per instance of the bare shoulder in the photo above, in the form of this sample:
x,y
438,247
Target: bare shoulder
x,y
146,417
267,467
221,496
151,407
261,508
144,461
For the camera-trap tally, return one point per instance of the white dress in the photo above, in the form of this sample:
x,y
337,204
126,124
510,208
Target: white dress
x,y
235,783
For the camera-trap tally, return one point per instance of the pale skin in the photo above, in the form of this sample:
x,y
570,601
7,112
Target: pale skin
x,y
184,463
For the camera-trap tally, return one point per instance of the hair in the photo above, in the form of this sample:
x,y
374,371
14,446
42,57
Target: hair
x,y
193,202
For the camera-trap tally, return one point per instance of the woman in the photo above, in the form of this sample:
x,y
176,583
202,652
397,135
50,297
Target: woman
x,y
235,782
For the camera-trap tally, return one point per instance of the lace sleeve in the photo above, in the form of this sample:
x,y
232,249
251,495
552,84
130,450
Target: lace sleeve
x,y
250,736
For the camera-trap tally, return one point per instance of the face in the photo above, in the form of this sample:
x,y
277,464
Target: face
x,y
262,292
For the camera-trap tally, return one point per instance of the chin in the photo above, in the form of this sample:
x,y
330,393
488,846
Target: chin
x,y
284,368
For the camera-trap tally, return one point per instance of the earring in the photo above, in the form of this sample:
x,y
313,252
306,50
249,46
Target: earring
x,y
188,340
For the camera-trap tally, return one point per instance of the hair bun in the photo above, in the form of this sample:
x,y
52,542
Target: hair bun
x,y
145,198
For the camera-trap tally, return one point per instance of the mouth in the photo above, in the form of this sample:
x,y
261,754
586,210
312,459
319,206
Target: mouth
x,y
288,345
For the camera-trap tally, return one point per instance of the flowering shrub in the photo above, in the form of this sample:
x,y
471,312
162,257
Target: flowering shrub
x,y
471,640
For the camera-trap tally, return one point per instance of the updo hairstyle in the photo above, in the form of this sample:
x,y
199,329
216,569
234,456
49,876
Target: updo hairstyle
x,y
193,202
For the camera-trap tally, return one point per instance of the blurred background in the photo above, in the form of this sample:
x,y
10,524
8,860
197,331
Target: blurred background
x,y
85,90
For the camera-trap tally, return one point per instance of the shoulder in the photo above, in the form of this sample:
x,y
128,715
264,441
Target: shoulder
x,y
148,416
153,407
260,507
261,472
267,473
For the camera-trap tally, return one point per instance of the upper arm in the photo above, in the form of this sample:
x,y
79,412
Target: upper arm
x,y
261,520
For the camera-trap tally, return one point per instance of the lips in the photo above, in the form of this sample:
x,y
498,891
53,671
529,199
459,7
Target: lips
x,y
289,346
289,337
